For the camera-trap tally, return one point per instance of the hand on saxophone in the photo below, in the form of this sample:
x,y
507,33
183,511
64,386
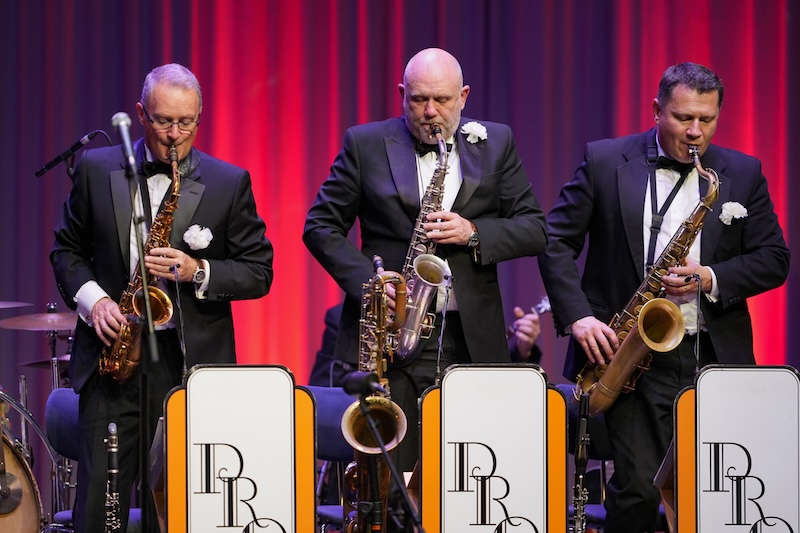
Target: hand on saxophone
x,y
391,294
680,283
107,319
446,227
160,261
596,339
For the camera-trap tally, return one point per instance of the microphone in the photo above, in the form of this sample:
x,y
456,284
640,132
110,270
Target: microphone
x,y
122,122
80,143
358,383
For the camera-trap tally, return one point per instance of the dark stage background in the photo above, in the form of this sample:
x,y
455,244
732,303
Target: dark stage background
x,y
282,80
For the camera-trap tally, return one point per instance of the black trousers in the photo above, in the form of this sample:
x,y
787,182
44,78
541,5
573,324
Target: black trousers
x,y
407,381
640,427
103,400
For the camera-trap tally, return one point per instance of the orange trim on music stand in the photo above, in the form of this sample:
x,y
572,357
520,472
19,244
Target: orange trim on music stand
x,y
304,460
431,460
686,461
175,460
556,461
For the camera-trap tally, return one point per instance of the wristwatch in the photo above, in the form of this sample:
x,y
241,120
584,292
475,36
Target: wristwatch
x,y
199,275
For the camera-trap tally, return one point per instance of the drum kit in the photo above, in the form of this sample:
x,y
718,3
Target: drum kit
x,y
20,501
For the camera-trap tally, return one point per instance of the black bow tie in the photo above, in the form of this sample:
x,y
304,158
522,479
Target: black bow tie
x,y
424,148
151,168
671,164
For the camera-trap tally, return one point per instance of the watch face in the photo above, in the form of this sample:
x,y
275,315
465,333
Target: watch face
x,y
473,239
199,276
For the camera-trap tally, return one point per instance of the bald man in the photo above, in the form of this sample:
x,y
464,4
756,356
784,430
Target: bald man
x,y
488,215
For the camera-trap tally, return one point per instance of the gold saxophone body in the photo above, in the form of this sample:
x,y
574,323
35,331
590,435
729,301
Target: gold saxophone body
x,y
121,358
649,322
365,504
423,271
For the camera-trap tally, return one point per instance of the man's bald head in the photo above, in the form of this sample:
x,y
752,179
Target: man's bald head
x,y
433,93
433,61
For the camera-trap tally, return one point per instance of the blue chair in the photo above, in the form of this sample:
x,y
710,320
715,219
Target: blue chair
x,y
61,425
331,403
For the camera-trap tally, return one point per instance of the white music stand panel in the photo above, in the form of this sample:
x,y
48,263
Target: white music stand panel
x,y
240,449
493,449
748,464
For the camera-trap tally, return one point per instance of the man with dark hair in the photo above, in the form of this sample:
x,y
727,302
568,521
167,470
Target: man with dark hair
x,y
629,197
489,214
217,253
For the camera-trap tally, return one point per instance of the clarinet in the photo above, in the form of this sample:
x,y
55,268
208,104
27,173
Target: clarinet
x,y
113,523
580,494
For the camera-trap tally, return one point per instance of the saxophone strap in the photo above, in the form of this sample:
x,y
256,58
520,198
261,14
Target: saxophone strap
x,y
144,192
658,214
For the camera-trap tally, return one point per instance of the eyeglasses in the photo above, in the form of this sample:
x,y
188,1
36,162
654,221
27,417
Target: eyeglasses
x,y
185,125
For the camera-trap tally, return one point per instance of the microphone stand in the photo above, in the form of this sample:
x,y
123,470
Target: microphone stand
x,y
376,510
144,411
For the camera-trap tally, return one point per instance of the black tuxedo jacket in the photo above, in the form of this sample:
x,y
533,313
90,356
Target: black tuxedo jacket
x,y
93,237
605,200
374,179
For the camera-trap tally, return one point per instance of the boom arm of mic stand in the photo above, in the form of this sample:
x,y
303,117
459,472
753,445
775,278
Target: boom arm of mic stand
x,y
392,468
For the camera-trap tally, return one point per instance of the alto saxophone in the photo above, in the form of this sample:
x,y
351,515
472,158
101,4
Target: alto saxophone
x,y
121,359
367,477
423,271
113,521
649,322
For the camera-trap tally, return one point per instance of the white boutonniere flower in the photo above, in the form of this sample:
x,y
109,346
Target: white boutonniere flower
x,y
197,237
731,210
475,131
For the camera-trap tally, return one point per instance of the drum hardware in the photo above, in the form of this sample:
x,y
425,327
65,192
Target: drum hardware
x,y
20,502
62,359
22,466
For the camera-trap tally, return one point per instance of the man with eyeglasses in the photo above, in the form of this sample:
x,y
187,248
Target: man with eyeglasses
x,y
218,252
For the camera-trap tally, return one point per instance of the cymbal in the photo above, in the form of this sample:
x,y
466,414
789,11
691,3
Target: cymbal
x,y
42,322
11,305
45,363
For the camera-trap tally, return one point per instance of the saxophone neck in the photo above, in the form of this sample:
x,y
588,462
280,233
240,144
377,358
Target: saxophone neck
x,y
710,175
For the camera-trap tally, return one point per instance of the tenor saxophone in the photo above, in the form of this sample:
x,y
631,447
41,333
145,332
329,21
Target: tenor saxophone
x,y
649,322
423,271
367,477
121,359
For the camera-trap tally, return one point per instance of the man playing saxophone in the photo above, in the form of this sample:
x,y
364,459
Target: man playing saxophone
x,y
488,214
629,197
217,251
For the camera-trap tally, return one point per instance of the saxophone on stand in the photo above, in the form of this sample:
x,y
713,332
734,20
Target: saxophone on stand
x,y
121,359
367,477
423,271
649,322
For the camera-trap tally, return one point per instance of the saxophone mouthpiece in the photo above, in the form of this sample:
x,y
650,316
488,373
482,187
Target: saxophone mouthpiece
x,y
172,152
436,130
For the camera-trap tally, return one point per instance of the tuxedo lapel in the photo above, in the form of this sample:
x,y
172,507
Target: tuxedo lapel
x,y
403,164
712,225
631,186
121,200
469,155
191,194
